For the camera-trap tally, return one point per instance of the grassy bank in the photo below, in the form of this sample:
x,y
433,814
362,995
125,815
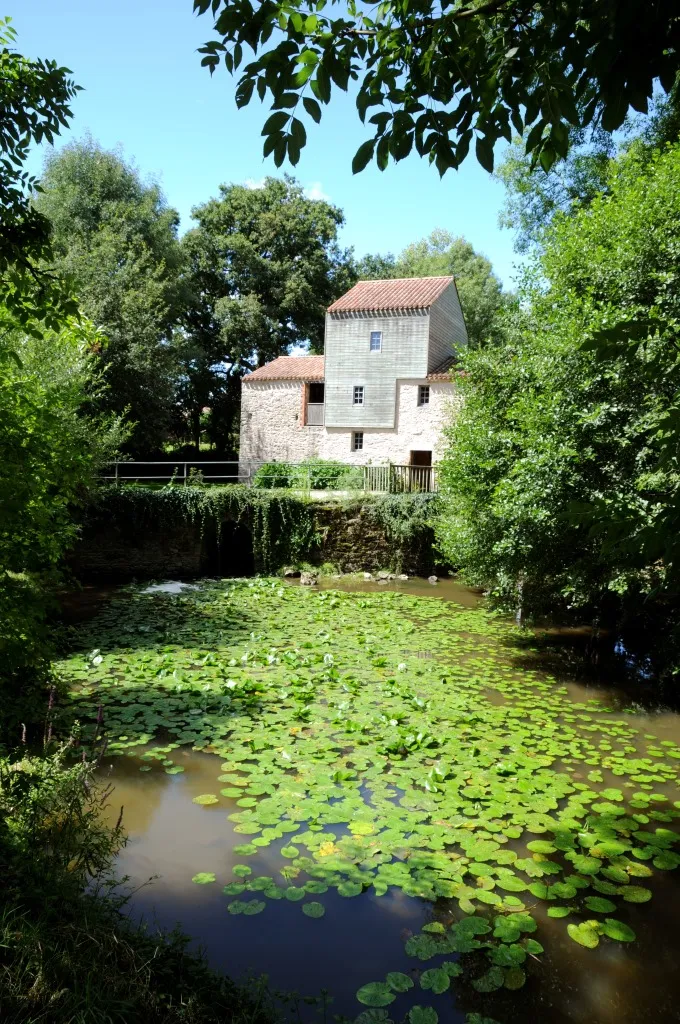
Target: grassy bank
x,y
67,950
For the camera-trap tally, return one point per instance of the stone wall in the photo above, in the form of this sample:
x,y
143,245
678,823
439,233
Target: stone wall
x,y
349,535
272,426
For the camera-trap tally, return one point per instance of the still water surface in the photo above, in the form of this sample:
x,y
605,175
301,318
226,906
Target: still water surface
x,y
362,939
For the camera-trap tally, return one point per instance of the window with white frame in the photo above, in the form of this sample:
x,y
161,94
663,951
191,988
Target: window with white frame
x,y
376,341
358,441
424,394
358,394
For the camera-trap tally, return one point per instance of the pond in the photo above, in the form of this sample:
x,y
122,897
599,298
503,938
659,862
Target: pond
x,y
377,792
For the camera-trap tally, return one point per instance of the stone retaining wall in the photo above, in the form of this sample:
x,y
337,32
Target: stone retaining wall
x,y
349,535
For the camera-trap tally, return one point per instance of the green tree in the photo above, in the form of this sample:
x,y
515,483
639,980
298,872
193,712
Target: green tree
x,y
562,480
534,196
440,254
264,264
376,267
50,450
480,291
34,106
445,77
116,238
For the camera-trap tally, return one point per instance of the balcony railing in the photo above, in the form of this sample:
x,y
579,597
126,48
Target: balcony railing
x,y
315,414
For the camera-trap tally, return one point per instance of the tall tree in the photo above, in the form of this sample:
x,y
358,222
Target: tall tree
x,y
264,263
441,253
446,76
34,106
562,479
480,291
534,196
116,237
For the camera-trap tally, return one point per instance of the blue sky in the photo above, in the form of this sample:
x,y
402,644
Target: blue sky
x,y
144,90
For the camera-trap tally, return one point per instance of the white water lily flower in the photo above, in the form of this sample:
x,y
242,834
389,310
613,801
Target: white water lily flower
x,y
231,683
402,666
328,659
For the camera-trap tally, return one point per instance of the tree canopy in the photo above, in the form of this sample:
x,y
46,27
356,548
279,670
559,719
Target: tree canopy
x,y
263,265
441,253
116,238
561,482
444,78
34,106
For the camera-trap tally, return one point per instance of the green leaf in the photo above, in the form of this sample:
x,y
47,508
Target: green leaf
x,y
584,934
312,108
206,799
377,993
204,878
436,979
423,1015
599,905
313,909
363,156
614,929
399,982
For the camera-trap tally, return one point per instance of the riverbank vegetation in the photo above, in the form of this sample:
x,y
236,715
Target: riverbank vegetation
x,y
561,482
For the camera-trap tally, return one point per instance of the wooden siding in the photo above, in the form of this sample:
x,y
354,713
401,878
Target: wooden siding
x,y
349,362
447,327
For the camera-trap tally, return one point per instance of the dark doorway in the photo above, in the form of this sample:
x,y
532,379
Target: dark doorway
x,y
421,458
316,394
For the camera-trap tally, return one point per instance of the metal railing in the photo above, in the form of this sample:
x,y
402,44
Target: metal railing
x,y
380,479
178,472
315,414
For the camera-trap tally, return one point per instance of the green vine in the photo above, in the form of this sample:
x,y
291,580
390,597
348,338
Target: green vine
x,y
282,525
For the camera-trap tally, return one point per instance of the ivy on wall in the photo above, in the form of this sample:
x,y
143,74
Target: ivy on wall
x,y
281,524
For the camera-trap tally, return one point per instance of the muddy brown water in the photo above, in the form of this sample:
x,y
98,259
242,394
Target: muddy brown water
x,y
362,939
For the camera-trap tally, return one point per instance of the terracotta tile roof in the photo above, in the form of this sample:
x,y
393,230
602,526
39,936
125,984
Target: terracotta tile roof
x,y
399,293
289,368
443,371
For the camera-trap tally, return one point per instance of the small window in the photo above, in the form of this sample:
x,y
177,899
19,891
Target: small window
x,y
358,441
424,394
376,341
316,393
359,394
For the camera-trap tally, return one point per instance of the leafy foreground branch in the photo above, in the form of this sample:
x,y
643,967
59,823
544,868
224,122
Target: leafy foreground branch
x,y
68,953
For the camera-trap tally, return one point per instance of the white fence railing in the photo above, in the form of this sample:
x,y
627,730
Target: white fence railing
x,y
381,479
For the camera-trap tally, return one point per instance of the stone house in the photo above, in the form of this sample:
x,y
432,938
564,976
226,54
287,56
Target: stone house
x,y
379,394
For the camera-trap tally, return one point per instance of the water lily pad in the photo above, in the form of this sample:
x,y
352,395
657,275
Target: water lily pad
x,y
559,911
514,978
253,907
614,929
399,982
313,909
599,905
376,993
436,979
206,799
584,934
204,878
489,982
636,894
423,1015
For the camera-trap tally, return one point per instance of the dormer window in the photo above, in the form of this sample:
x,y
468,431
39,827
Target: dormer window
x,y
376,341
